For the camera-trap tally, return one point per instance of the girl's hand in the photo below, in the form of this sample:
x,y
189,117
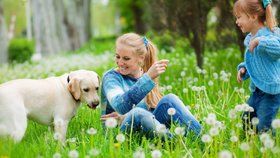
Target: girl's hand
x,y
114,115
157,68
253,43
240,73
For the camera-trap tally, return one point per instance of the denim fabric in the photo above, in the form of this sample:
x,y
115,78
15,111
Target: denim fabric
x,y
147,121
265,109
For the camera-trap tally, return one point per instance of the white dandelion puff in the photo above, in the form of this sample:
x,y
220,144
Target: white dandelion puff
x,y
225,154
73,154
171,111
206,138
120,138
91,131
275,123
180,131
156,154
111,123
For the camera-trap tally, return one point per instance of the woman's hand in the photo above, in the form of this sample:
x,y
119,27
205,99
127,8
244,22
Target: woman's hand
x,y
240,73
253,44
114,115
157,68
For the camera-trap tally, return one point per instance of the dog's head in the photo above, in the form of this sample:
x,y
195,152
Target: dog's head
x,y
84,85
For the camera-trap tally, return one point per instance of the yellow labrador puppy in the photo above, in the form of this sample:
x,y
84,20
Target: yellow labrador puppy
x,y
51,100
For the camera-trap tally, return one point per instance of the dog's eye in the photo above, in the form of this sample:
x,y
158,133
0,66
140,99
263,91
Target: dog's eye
x,y
97,88
86,89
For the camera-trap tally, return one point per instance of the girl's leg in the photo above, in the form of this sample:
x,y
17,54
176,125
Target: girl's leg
x,y
139,119
182,116
267,111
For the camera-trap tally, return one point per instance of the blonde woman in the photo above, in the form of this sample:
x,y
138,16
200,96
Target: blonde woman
x,y
131,90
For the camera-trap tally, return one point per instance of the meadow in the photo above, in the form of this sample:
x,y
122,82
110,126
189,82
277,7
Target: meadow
x,y
212,94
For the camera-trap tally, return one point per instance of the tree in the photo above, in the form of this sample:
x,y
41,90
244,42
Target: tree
x,y
3,37
60,25
133,12
226,24
192,23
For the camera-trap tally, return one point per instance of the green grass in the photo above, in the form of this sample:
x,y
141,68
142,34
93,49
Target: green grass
x,y
212,90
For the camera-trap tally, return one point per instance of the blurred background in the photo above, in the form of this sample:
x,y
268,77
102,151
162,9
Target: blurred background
x,y
33,29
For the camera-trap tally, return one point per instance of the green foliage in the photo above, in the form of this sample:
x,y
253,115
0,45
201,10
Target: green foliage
x,y
20,50
169,41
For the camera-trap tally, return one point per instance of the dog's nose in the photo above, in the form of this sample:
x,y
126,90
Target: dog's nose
x,y
95,103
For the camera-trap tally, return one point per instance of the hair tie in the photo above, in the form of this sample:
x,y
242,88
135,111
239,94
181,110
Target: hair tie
x,y
266,3
145,41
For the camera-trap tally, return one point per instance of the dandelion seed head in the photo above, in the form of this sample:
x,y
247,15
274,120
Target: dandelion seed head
x,y
180,131
91,131
171,111
120,138
156,154
275,123
111,123
206,138
244,146
73,154
225,154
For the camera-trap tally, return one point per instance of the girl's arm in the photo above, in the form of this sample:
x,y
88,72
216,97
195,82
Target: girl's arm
x,y
270,45
122,101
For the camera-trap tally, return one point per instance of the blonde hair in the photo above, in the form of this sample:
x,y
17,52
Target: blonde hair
x,y
255,7
135,43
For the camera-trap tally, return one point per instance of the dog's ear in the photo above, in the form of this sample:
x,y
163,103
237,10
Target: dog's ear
x,y
74,88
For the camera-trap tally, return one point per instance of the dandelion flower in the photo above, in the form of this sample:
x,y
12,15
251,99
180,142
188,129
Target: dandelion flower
x,y
255,121
180,131
244,146
225,154
171,111
156,154
206,138
57,136
161,129
234,138
139,154
94,152
210,83
275,123
120,138
91,131
214,131
111,123
57,155
73,154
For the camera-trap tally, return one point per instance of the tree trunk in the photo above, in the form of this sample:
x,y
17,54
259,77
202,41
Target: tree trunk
x,y
138,12
77,21
61,25
192,19
44,23
156,15
226,23
3,37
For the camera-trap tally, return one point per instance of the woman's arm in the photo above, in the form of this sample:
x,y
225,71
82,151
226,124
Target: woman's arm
x,y
120,100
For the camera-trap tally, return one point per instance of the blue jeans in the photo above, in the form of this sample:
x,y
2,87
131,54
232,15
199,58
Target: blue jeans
x,y
265,109
147,121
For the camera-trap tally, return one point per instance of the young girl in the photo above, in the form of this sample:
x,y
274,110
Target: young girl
x,y
131,90
262,60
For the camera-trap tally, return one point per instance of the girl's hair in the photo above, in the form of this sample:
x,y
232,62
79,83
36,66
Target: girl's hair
x,y
255,7
136,44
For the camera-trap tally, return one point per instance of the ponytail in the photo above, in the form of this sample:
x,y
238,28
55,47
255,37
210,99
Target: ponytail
x,y
270,19
154,96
